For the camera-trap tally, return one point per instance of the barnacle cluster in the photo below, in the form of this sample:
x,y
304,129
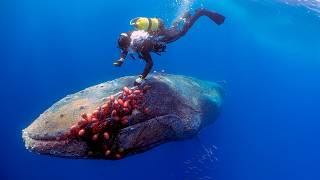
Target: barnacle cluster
x,y
99,129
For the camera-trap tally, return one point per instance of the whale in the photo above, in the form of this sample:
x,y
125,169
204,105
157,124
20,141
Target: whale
x,y
178,108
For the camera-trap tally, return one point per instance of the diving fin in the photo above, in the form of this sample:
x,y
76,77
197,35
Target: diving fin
x,y
217,18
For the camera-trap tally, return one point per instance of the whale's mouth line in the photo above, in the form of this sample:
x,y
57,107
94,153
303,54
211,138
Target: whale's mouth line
x,y
66,136
27,137
56,146
67,148
34,137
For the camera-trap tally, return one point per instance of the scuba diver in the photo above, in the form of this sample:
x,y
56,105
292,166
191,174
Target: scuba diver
x,y
150,35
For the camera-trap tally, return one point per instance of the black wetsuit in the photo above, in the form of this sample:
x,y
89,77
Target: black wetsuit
x,y
158,40
149,45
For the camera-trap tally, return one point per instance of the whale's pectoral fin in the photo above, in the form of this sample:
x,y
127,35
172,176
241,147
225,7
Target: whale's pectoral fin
x,y
143,136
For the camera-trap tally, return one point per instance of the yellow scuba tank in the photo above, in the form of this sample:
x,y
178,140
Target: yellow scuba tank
x,y
147,24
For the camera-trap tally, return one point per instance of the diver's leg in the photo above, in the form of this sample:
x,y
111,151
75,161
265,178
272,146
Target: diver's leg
x,y
149,64
185,16
190,20
174,33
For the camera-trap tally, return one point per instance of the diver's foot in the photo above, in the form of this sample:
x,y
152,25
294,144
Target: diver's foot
x,y
138,81
216,17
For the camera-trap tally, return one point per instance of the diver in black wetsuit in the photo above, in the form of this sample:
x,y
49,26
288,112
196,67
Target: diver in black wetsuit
x,y
152,36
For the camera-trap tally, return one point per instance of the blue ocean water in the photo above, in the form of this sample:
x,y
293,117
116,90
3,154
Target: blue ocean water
x,y
268,52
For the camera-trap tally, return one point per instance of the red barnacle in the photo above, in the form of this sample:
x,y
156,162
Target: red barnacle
x,y
83,122
94,119
118,156
133,102
130,91
126,103
114,113
74,130
107,153
73,127
95,127
109,102
106,135
124,121
103,124
105,106
105,109
112,98
124,118
81,132
95,137
95,113
116,106
120,101
136,91
89,117
126,110
126,89
84,116
116,102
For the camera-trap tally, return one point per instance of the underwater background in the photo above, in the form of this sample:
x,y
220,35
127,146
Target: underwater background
x,y
268,52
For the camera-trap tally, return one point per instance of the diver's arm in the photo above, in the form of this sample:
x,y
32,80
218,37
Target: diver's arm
x,y
123,56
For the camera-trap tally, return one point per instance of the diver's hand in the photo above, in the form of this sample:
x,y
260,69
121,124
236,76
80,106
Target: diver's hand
x,y
118,63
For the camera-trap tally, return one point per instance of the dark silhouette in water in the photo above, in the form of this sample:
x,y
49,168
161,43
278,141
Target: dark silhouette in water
x,y
152,36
